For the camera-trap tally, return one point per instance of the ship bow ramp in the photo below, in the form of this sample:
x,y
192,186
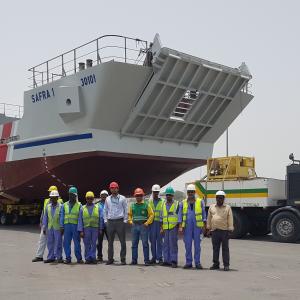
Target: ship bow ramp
x,y
162,113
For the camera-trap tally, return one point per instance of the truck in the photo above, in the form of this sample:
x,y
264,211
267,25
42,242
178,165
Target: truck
x,y
260,205
14,212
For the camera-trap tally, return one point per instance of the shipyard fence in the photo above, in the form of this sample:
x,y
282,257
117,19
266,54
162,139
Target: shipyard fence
x,y
11,110
105,48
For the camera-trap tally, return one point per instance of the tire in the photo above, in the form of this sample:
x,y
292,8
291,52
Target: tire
x,y
259,228
285,227
15,218
4,219
241,224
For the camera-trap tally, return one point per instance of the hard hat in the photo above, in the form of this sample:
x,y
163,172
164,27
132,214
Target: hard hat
x,y
169,191
139,192
104,192
73,190
155,188
54,193
89,195
52,188
191,187
113,185
220,193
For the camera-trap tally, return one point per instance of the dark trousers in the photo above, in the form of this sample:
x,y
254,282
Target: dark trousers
x,y
100,243
119,227
220,237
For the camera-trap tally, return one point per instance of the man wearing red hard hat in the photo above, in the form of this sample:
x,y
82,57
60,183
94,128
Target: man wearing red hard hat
x,y
115,219
140,215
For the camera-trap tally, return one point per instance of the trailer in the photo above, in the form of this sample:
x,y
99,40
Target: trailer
x,y
12,213
260,205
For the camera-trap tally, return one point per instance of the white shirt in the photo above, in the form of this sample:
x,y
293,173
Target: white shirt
x,y
115,208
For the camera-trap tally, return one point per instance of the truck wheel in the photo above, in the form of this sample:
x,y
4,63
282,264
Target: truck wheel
x,y
285,227
259,229
4,219
14,218
241,224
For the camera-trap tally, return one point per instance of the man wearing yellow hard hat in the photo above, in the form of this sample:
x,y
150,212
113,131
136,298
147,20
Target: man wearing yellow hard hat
x,y
43,238
90,225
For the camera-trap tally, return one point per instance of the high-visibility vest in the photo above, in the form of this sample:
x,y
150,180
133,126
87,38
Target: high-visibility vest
x,y
156,209
139,212
53,221
198,212
90,220
71,216
170,218
47,201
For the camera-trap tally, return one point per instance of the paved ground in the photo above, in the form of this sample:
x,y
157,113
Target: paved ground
x,y
261,270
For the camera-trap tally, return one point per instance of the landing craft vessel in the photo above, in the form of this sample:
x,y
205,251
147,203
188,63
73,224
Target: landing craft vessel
x,y
117,108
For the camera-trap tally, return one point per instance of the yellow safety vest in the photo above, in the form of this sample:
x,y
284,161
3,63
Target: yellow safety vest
x,y
90,220
53,221
157,209
170,218
71,217
47,201
198,212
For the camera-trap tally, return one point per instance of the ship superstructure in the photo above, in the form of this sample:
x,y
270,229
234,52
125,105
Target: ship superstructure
x,y
118,108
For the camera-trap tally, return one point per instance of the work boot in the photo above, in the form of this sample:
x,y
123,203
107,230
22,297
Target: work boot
x,y
67,261
59,261
110,262
152,261
47,261
133,263
199,267
214,267
94,262
147,263
100,259
174,265
160,262
123,262
87,262
187,266
226,268
36,259
80,261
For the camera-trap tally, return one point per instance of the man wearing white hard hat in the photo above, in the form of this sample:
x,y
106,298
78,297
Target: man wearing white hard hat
x,y
43,238
192,220
155,235
103,196
220,224
51,226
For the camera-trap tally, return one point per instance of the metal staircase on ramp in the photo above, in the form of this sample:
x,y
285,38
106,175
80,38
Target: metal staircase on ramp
x,y
185,97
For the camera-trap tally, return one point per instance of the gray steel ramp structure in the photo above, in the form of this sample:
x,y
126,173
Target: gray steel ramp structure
x,y
186,98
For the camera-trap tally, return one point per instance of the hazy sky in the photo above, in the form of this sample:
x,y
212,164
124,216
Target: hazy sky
x,y
264,34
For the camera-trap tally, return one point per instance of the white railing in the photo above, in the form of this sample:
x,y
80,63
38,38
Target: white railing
x,y
105,48
11,110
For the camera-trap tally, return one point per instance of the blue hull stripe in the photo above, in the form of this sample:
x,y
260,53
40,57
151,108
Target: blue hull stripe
x,y
74,137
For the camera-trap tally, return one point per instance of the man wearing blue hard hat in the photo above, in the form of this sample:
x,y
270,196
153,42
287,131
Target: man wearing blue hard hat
x,y
69,223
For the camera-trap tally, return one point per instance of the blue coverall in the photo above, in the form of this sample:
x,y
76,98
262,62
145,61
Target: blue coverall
x,y
90,233
170,240
192,232
54,237
155,238
70,232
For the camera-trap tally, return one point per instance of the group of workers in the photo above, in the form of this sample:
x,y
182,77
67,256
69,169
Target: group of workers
x,y
157,220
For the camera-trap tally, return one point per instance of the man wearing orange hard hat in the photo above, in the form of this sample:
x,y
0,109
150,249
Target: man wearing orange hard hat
x,y
140,215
